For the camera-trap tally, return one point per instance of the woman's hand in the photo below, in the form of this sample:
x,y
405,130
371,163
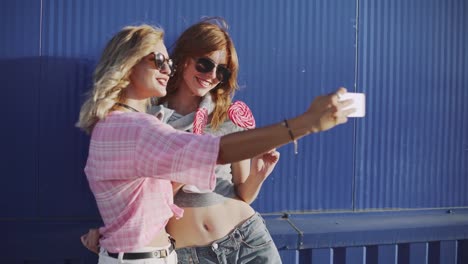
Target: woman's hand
x,y
326,111
249,175
91,240
262,165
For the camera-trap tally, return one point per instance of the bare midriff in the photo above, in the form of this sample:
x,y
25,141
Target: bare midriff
x,y
200,226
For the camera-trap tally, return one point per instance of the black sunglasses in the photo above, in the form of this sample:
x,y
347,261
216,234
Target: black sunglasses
x,y
205,65
160,61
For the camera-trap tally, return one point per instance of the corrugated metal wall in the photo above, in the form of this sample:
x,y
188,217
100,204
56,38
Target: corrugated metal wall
x,y
412,148
409,57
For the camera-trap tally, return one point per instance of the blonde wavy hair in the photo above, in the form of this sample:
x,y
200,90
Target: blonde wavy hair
x,y
112,73
207,36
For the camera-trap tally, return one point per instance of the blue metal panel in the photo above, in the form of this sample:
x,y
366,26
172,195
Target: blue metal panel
x,y
433,252
462,251
348,229
290,256
411,147
81,28
403,253
356,255
388,254
385,237
19,78
419,253
448,252
45,242
288,55
19,27
322,255
20,22
62,149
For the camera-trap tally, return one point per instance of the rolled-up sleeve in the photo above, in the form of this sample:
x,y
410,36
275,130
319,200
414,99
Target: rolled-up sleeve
x,y
165,153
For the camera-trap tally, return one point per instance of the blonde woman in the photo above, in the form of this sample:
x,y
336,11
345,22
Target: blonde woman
x,y
134,157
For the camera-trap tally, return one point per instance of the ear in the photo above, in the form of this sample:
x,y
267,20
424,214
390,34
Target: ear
x,y
186,63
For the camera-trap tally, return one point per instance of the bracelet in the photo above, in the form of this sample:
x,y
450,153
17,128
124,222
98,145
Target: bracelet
x,y
285,123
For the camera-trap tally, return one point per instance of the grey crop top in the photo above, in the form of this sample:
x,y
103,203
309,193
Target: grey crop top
x,y
224,186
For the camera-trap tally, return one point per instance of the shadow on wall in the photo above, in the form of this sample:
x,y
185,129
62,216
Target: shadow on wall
x,y
48,201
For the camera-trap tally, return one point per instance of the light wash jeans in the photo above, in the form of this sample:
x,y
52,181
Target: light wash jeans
x,y
250,242
105,259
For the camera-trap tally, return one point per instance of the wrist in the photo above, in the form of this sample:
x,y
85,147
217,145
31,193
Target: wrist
x,y
308,124
301,126
291,135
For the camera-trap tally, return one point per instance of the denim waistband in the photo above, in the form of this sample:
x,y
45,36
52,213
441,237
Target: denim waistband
x,y
248,240
231,239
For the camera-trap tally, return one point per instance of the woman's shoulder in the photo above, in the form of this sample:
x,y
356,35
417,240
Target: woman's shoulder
x,y
241,115
131,119
128,124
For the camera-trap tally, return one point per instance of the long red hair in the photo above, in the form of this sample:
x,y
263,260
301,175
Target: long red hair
x,y
205,37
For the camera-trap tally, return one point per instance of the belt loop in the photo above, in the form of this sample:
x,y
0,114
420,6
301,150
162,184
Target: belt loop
x,y
172,241
194,255
214,246
120,257
237,235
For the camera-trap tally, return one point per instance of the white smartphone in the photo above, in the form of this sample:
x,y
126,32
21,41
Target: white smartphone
x,y
359,103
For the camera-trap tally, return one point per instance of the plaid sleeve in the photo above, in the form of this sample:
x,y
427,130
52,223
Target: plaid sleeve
x,y
165,153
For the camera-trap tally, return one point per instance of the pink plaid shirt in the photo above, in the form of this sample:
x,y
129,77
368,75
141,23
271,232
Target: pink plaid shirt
x,y
133,157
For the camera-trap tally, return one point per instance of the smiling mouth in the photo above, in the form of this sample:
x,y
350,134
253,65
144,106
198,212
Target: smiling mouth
x,y
162,81
203,82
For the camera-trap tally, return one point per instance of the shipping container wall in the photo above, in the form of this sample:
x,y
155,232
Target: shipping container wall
x,y
410,151
412,147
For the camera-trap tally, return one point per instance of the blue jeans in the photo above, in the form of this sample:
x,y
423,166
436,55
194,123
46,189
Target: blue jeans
x,y
249,242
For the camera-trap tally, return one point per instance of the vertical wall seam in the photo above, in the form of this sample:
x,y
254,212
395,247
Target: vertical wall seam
x,y
38,114
356,64
356,30
40,29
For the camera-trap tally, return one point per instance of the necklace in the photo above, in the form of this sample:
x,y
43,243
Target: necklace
x,y
127,106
